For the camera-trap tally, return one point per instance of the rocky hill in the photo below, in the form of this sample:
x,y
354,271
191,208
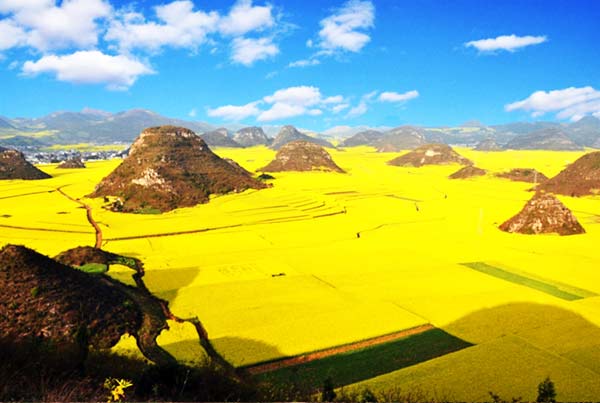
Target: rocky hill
x,y
72,163
170,167
219,138
251,136
401,138
61,306
14,166
290,133
430,154
366,137
544,214
302,156
528,175
580,178
545,139
467,172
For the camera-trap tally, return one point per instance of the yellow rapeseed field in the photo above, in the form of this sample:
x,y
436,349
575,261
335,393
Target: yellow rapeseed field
x,y
323,259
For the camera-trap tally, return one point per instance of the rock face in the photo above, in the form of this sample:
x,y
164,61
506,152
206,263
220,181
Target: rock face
x,y
580,178
219,138
13,165
302,156
401,138
290,133
170,167
72,163
488,145
467,172
544,214
430,154
366,137
552,138
251,136
62,306
528,175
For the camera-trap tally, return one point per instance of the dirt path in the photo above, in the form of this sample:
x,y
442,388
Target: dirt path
x,y
301,359
90,218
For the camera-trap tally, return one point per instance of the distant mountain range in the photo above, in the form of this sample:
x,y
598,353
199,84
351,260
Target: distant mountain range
x,y
100,127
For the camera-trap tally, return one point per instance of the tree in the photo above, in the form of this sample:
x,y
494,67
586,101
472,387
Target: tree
x,y
328,393
546,391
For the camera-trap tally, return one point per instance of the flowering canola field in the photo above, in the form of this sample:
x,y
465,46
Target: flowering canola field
x,y
325,259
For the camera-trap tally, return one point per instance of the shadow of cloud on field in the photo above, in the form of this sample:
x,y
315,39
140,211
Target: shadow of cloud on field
x,y
527,320
243,352
176,278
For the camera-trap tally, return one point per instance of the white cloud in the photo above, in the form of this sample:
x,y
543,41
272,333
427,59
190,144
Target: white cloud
x,y
234,113
178,26
244,17
47,26
344,30
339,108
386,96
305,63
358,110
11,35
90,67
333,100
301,95
246,51
569,103
282,104
281,110
390,96
192,113
506,42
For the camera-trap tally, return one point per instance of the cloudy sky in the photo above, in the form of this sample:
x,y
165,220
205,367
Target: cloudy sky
x,y
313,64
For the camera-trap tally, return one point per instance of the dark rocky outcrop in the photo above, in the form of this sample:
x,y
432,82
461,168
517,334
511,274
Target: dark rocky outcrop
x,y
302,156
60,306
13,165
430,154
467,172
580,178
544,214
528,175
170,167
72,163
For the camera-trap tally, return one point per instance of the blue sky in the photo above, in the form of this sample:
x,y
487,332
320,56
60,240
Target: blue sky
x,y
316,65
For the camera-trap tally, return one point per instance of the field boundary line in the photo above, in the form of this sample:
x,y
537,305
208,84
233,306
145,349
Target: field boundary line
x,y
270,366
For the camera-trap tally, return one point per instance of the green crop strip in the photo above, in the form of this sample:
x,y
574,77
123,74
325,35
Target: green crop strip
x,y
556,289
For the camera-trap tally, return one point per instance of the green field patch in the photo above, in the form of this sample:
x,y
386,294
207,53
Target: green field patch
x,y
355,366
554,288
93,268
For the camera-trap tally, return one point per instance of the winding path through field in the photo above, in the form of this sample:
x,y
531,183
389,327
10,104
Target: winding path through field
x,y
317,355
89,216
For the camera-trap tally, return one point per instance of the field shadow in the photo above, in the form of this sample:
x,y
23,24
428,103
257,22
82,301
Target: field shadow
x,y
234,348
560,339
